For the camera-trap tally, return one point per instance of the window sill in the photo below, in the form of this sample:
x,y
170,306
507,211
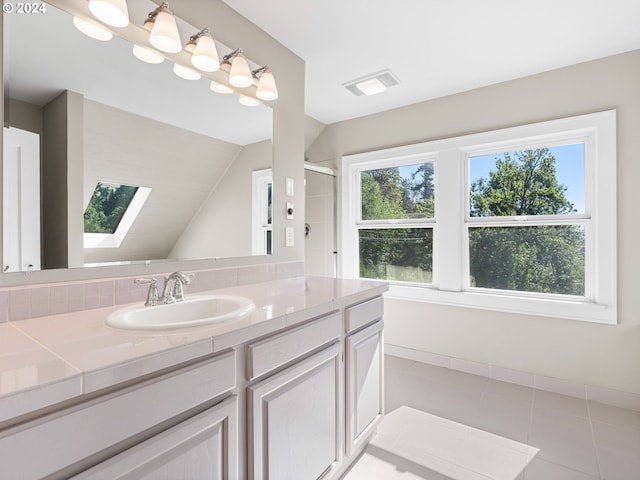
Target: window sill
x,y
565,309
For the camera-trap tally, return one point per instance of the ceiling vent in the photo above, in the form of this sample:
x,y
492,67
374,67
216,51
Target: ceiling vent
x,y
372,84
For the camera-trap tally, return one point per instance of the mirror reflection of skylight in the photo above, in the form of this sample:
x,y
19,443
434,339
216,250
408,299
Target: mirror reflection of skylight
x,y
107,206
111,212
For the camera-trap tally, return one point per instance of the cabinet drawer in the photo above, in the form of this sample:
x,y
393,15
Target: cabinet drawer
x,y
70,435
364,313
273,352
204,446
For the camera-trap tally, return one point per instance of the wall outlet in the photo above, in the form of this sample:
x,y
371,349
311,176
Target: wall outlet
x,y
288,237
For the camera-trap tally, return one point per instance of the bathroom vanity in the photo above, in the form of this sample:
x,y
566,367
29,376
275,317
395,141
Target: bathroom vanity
x,y
294,389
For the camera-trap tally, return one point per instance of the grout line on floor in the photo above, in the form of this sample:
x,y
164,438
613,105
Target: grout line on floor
x,y
593,438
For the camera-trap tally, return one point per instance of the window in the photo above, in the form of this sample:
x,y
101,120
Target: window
x,y
526,219
262,221
395,228
111,211
517,220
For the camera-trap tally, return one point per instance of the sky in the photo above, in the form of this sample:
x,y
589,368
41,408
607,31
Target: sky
x,y
569,170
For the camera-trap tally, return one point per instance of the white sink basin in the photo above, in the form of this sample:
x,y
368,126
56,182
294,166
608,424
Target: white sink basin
x,y
193,312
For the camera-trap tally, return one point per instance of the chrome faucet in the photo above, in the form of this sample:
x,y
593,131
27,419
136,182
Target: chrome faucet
x,y
174,284
153,298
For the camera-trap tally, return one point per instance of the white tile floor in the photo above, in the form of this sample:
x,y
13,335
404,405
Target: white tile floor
x,y
443,424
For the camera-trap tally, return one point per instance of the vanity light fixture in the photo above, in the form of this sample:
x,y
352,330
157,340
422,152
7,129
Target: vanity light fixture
x,y
185,72
240,73
248,101
164,34
92,29
111,12
147,55
267,89
204,56
220,88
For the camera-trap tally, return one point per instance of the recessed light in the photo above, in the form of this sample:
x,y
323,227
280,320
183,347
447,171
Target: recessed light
x,y
371,87
371,84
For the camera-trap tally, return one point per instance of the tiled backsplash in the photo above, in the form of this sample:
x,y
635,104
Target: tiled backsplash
x,y
20,303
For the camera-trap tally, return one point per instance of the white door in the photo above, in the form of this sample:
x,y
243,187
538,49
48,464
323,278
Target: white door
x,y
296,420
365,386
204,447
20,200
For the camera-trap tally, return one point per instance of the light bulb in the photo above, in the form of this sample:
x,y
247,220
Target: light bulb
x,y
146,55
111,12
185,72
267,89
205,55
92,29
240,74
164,33
220,88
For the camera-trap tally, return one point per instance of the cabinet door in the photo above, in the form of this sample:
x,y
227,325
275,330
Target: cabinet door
x,y
365,387
202,447
296,420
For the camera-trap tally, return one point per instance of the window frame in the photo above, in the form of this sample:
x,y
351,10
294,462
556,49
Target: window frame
x,y
399,223
451,284
261,228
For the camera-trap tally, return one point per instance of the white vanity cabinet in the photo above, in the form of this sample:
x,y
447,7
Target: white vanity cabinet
x,y
312,417
296,416
364,372
73,439
294,400
202,447
297,420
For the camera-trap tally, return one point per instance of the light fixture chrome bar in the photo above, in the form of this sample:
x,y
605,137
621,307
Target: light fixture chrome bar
x,y
204,31
154,14
259,71
193,39
230,56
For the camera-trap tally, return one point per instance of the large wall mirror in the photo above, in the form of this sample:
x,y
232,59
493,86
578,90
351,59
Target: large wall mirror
x,y
187,166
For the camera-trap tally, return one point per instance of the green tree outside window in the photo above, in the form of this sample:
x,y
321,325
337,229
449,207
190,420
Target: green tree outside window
x,y
107,206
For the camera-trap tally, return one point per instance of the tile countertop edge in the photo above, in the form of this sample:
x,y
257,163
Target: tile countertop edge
x,y
330,294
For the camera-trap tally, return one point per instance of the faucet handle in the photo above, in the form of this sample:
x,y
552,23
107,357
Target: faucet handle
x,y
152,295
181,280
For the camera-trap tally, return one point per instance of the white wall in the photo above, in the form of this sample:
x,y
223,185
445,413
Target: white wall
x,y
600,355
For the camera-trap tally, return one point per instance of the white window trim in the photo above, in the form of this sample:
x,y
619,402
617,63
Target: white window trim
x,y
450,240
260,179
115,239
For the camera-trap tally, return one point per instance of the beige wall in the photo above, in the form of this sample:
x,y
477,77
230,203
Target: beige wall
x,y
600,355
62,166
288,116
179,166
320,197
222,226
23,115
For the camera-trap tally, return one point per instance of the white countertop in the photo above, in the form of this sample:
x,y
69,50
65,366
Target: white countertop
x,y
46,360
